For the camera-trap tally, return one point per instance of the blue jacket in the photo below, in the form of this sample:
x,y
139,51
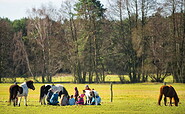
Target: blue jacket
x,y
49,95
96,101
54,99
72,101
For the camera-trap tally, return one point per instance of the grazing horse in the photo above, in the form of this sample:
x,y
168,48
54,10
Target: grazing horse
x,y
90,94
20,91
45,88
170,92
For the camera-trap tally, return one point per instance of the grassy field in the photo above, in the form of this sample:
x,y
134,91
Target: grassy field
x,y
128,98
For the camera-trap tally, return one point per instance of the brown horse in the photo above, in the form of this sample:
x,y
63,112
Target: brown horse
x,y
170,92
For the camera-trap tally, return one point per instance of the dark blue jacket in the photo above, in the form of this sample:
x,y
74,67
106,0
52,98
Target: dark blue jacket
x,y
54,99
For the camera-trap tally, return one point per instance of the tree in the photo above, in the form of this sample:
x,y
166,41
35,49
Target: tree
x,y
159,45
175,9
20,56
6,36
20,26
47,34
91,14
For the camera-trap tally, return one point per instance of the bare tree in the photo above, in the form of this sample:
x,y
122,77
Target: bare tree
x,y
20,56
47,33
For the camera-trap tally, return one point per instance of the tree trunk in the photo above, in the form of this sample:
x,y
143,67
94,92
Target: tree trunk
x,y
44,65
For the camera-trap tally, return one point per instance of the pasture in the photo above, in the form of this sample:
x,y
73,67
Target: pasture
x,y
128,98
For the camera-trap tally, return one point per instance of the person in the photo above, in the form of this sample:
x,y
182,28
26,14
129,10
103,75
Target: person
x,y
76,93
48,97
54,99
93,101
80,100
96,99
87,87
64,100
71,100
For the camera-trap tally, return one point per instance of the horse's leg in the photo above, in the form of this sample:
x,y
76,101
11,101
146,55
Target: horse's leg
x,y
44,99
41,100
19,101
14,104
25,100
16,100
10,102
160,98
87,100
170,101
165,100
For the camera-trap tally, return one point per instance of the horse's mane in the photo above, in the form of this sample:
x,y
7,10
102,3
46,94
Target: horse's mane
x,y
175,94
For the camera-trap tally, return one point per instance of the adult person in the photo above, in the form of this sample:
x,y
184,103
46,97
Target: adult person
x,y
96,100
76,93
64,100
49,95
87,87
54,98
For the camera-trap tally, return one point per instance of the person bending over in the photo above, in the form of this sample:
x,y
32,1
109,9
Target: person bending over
x,y
54,99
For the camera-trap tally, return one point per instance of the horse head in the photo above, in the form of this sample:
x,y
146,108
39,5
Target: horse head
x,y
30,84
176,100
63,91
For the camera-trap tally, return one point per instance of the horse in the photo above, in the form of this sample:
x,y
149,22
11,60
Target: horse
x,y
20,91
45,88
168,91
90,94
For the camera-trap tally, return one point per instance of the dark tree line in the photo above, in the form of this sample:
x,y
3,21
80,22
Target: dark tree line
x,y
138,38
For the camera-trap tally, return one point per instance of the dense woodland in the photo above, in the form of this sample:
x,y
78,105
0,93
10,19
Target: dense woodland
x,y
138,38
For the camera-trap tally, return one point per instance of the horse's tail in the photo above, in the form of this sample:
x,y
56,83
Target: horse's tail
x,y
160,95
11,94
41,93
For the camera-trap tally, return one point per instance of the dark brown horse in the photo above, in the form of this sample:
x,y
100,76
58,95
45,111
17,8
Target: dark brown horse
x,y
168,91
20,91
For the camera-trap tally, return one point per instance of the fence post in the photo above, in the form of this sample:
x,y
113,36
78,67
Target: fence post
x,y
111,93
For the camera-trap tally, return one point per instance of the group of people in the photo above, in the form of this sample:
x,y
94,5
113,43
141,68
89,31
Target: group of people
x,y
76,99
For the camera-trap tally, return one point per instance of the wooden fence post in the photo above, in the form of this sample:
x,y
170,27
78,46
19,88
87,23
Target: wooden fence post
x,y
111,93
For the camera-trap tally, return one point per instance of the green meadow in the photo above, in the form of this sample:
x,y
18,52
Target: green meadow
x,y
127,98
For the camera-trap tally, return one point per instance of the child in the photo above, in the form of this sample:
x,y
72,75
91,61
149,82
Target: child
x,y
80,100
96,100
64,100
71,100
54,99
76,93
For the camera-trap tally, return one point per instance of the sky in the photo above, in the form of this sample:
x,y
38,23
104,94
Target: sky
x,y
16,9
